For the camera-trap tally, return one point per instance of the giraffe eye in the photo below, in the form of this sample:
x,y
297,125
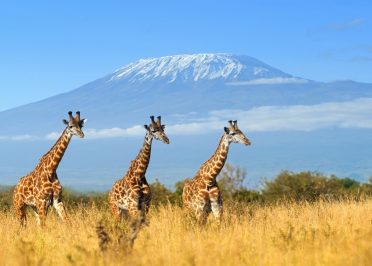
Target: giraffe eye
x,y
71,126
232,133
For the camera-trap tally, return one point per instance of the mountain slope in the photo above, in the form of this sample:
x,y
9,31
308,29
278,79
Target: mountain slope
x,y
177,85
185,90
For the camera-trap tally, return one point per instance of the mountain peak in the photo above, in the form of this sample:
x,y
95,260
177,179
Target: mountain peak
x,y
197,67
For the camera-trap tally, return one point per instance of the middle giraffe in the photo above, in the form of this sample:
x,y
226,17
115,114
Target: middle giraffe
x,y
201,193
130,196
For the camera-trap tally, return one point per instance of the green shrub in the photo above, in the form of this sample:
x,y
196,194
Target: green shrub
x,y
6,198
309,186
163,195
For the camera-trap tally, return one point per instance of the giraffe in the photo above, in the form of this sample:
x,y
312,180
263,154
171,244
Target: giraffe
x,y
130,196
41,188
201,194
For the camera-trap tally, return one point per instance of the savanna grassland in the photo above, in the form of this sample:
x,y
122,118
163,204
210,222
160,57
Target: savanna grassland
x,y
302,233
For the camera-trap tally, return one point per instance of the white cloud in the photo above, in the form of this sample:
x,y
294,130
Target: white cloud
x,y
351,114
91,133
23,137
269,81
114,132
18,137
346,25
194,128
53,135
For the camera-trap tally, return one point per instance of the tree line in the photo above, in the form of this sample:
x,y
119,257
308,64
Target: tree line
x,y
286,186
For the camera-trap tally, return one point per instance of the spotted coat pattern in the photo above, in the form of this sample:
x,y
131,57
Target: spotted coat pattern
x,y
130,196
201,194
41,188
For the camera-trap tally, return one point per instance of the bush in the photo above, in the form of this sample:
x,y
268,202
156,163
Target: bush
x,y
162,195
309,186
231,183
179,188
230,180
73,199
6,198
246,195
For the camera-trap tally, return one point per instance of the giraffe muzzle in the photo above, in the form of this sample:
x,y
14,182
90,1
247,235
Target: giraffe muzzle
x,y
247,143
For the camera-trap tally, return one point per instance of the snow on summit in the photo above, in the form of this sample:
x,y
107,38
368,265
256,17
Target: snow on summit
x,y
197,67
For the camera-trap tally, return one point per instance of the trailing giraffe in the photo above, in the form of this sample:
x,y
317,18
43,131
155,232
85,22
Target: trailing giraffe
x,y
130,196
201,194
41,188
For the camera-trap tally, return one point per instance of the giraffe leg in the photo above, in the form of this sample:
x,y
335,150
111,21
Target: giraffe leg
x,y
186,195
60,208
201,216
41,211
135,228
143,211
57,200
216,203
36,215
146,194
138,218
20,207
203,207
116,212
21,214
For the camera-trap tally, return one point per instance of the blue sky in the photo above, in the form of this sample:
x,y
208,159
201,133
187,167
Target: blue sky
x,y
50,47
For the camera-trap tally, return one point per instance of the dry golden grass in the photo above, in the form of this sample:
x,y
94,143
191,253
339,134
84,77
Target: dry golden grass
x,y
292,234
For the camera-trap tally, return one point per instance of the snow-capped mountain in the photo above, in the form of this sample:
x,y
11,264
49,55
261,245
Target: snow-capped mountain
x,y
197,67
177,85
196,94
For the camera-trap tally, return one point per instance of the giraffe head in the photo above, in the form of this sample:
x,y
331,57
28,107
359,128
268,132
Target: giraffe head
x,y
75,124
234,134
156,130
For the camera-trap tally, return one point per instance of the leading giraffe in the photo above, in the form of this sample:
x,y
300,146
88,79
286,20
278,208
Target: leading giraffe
x,y
201,194
41,188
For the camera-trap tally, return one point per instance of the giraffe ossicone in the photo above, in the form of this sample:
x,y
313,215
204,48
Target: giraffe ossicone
x,y
201,194
41,188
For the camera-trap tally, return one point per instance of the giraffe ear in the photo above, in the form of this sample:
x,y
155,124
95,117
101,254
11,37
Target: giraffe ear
x,y
65,121
146,126
227,130
82,122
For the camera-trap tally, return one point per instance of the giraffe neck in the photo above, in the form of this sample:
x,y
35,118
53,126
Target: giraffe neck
x,y
143,158
53,157
211,168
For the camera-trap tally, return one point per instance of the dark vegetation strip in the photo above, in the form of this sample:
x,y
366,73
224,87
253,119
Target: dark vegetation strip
x,y
285,187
